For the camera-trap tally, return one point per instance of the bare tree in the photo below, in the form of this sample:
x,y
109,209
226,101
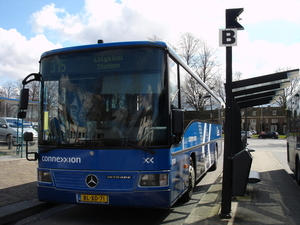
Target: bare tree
x,y
219,85
194,94
237,75
154,38
206,64
188,48
33,97
200,57
219,89
288,91
203,60
9,90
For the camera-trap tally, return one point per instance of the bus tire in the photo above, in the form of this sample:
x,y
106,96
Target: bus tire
x,y
192,181
215,165
297,171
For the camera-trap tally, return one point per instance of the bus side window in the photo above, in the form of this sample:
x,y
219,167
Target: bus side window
x,y
173,73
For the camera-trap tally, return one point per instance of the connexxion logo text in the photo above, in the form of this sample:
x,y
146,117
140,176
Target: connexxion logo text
x,y
60,159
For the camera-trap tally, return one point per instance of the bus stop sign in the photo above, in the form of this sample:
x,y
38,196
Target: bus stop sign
x,y
232,18
228,37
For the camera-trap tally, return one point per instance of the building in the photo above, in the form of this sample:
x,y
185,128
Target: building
x,y
262,119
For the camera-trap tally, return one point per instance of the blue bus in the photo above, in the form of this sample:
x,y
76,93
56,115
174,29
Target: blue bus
x,y
293,134
123,124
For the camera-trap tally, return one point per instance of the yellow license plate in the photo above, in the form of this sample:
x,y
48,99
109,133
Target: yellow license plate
x,y
93,198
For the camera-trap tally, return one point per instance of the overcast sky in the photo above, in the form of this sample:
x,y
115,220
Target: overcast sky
x,y
271,38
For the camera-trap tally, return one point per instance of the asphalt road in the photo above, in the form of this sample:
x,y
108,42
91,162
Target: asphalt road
x,y
277,147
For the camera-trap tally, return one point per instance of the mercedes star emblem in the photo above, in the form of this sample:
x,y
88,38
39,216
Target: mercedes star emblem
x,y
91,181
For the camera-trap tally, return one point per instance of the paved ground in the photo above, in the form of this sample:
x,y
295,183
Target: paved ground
x,y
18,177
274,200
18,181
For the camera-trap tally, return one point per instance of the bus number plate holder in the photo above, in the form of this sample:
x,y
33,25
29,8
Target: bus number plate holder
x,y
83,198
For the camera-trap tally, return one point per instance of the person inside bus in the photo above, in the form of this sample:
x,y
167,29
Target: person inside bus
x,y
145,122
118,124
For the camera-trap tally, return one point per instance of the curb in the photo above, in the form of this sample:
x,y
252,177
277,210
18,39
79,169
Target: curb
x,y
20,210
208,208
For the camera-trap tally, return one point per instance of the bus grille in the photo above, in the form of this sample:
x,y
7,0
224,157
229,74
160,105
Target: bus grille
x,y
107,181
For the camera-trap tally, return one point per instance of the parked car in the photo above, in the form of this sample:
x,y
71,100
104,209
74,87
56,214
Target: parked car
x,y
269,134
11,127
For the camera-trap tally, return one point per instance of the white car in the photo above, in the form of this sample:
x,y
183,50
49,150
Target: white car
x,y
11,127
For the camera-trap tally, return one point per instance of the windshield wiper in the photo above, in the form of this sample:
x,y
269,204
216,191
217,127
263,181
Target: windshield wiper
x,y
142,148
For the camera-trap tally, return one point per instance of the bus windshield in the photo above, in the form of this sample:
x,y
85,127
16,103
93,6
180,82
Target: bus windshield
x,y
104,98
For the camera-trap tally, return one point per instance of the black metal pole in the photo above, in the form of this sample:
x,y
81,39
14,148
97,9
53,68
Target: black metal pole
x,y
228,145
231,112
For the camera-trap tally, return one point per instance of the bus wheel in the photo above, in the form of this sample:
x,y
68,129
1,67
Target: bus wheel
x,y
297,172
192,180
215,165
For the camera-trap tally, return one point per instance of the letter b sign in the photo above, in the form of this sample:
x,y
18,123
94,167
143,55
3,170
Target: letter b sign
x,y
228,37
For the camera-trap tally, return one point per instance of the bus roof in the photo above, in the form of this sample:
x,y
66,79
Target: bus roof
x,y
106,45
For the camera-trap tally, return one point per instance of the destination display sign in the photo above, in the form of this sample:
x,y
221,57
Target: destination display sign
x,y
94,63
101,61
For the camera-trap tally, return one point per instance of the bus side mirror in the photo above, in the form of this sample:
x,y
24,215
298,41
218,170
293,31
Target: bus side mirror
x,y
177,122
28,136
24,96
22,114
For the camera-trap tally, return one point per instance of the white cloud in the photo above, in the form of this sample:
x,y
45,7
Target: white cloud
x,y
98,20
257,11
137,20
262,57
53,21
19,56
47,18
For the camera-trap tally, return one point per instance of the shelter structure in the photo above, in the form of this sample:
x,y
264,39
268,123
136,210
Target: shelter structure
x,y
237,159
253,92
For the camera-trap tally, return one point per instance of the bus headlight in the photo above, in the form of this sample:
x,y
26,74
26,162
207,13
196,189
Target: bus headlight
x,y
44,176
158,179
